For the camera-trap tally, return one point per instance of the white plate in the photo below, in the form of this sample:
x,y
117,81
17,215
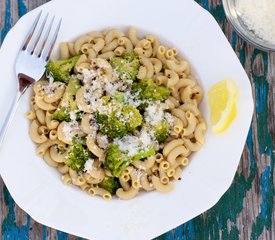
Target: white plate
x,y
38,189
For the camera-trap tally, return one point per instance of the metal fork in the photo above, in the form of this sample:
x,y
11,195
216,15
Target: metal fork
x,y
31,61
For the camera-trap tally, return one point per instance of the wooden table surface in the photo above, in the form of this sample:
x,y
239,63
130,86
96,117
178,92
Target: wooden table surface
x,y
247,209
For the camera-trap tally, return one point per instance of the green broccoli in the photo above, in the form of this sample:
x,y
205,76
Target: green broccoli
x,y
111,184
132,117
116,161
119,97
118,123
148,90
127,66
81,140
161,130
111,126
130,56
144,153
77,156
61,70
67,103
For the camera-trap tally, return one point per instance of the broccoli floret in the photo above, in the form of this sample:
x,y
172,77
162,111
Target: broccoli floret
x,y
126,66
67,103
132,117
148,90
119,97
77,156
161,130
116,161
111,126
61,70
61,115
144,153
111,184
118,123
81,140
130,56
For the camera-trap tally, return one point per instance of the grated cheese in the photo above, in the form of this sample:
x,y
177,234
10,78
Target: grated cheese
x,y
132,98
259,16
88,165
70,129
50,87
133,144
73,115
169,118
94,128
138,173
115,74
153,114
102,141
112,88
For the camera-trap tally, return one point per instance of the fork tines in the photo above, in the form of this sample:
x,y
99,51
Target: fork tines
x,y
40,40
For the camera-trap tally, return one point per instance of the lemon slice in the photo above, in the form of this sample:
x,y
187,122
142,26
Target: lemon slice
x,y
222,99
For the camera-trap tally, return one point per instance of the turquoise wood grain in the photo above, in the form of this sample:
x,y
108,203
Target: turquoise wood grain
x,y
8,20
236,215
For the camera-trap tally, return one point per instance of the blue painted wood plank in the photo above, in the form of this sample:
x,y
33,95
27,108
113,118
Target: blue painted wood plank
x,y
61,235
9,228
22,9
8,20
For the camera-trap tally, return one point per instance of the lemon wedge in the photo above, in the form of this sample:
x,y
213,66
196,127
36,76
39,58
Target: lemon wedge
x,y
222,100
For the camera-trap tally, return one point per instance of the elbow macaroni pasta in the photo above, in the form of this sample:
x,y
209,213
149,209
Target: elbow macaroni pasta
x,y
157,62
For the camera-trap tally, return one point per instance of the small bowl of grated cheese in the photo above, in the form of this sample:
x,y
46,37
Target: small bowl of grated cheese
x,y
253,20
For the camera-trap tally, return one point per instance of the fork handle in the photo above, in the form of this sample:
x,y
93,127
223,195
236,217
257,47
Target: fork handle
x,y
24,82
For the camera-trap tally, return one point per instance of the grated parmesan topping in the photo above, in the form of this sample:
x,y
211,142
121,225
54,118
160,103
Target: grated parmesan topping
x,y
73,115
89,75
115,74
102,141
138,173
132,98
70,129
259,16
169,118
111,88
153,114
94,128
88,167
49,88
133,144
